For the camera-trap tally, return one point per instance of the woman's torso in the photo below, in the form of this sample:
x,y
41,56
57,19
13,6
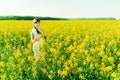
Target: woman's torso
x,y
36,35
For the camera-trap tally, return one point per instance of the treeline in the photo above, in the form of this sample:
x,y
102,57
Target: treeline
x,y
28,18
110,18
49,18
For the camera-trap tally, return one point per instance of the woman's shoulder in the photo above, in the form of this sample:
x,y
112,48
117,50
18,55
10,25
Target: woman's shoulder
x,y
33,30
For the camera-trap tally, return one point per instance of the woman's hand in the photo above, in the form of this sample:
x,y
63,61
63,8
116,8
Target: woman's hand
x,y
44,36
40,36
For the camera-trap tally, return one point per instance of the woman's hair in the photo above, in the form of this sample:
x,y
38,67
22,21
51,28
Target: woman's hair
x,y
35,21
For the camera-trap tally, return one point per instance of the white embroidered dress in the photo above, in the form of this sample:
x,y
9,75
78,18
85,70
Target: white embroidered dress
x,y
36,48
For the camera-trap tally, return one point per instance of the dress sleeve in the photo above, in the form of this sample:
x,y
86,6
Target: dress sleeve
x,y
32,35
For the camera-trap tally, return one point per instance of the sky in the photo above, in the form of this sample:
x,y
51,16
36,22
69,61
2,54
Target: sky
x,y
61,8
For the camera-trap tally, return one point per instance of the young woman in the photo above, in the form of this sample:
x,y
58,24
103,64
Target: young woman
x,y
36,36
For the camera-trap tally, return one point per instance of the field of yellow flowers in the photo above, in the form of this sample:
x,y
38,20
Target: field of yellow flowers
x,y
73,50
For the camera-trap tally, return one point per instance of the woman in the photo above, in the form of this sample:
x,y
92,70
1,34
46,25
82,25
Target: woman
x,y
36,36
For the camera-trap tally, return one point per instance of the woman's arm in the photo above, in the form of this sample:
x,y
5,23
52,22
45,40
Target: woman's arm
x,y
33,38
37,38
42,34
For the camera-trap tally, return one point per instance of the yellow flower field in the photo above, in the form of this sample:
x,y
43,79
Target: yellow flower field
x,y
73,50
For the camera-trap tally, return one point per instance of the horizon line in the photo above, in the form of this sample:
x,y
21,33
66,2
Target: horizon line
x,y
60,17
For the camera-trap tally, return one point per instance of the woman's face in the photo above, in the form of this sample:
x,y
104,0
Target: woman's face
x,y
37,24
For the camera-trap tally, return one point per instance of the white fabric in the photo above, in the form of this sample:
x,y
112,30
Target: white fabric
x,y
36,48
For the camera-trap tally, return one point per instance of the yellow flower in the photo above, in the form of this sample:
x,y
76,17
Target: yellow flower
x,y
108,68
81,76
79,69
43,70
50,76
73,47
119,67
67,68
116,79
88,59
17,54
51,72
118,53
64,73
2,64
111,59
91,65
58,62
3,77
30,58
34,73
84,63
10,58
114,74
24,39
59,72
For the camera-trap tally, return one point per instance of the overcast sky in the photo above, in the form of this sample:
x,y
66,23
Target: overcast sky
x,y
61,8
